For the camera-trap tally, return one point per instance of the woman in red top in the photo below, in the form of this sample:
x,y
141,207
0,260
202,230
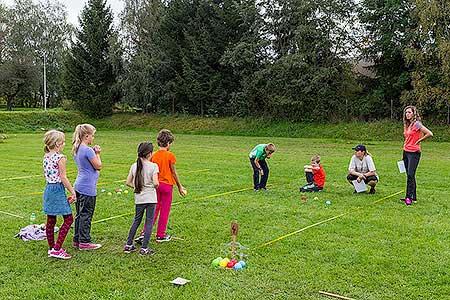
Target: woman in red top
x,y
415,133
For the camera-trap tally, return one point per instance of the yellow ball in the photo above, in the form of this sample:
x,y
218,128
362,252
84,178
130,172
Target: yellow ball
x,y
109,194
184,192
125,192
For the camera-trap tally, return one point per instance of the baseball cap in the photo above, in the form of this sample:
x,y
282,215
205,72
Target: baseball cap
x,y
360,147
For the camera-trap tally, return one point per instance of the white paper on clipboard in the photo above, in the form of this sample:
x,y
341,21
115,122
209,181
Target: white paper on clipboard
x,y
401,166
359,186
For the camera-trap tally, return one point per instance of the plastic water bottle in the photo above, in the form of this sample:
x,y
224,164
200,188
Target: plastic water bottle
x,y
32,218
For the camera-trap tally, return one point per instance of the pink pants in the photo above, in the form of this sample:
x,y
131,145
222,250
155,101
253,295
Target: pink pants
x,y
164,195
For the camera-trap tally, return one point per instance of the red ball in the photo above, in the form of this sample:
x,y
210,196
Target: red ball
x,y
303,198
234,261
230,265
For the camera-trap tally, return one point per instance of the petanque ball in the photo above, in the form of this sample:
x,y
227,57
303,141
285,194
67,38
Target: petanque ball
x,y
316,198
237,267
242,263
215,262
125,192
223,263
109,194
328,202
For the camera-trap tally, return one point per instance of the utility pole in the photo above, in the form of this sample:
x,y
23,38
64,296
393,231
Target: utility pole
x,y
45,85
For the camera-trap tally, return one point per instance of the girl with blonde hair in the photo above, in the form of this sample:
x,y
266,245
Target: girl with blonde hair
x,y
89,164
56,202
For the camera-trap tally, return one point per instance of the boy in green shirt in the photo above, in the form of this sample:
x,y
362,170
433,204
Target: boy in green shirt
x,y
258,161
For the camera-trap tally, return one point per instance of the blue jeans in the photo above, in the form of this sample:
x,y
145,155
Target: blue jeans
x,y
257,182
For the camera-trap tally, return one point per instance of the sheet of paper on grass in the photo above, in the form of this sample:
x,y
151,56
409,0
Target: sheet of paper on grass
x,y
180,281
401,166
359,186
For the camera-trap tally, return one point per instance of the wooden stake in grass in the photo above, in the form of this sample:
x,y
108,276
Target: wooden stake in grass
x,y
335,296
234,233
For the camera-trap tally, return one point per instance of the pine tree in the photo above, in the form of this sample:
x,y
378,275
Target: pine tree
x,y
90,77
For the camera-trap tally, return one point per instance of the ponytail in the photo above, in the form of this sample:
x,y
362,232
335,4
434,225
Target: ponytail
x,y
144,149
80,131
51,139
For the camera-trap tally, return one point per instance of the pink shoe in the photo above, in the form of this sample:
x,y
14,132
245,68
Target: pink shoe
x,y
88,246
408,201
61,253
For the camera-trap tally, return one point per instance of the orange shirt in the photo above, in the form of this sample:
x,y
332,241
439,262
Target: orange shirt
x,y
319,176
164,159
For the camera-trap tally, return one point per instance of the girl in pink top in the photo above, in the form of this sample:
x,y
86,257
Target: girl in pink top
x,y
415,133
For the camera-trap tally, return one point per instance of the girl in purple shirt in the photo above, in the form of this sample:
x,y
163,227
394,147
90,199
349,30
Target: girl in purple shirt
x,y
89,164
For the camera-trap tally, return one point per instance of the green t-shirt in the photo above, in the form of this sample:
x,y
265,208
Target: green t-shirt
x,y
259,152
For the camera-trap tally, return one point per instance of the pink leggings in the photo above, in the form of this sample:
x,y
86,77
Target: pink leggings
x,y
164,196
50,227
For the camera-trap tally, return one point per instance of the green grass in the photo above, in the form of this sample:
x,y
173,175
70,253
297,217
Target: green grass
x,y
379,251
39,121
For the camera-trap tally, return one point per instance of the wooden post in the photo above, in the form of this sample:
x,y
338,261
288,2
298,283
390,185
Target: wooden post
x,y
234,233
334,296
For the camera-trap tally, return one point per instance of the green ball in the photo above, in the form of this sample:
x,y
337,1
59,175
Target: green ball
x,y
215,263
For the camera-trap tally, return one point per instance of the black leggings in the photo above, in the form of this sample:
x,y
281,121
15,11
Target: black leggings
x,y
411,161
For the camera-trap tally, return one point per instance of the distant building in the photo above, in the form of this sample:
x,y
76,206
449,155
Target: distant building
x,y
362,67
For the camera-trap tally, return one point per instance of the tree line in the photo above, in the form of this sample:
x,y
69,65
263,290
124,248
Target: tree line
x,y
285,59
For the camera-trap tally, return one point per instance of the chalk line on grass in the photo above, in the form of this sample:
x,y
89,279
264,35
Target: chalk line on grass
x,y
10,214
321,222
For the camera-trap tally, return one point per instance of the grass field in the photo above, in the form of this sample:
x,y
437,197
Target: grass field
x,y
382,250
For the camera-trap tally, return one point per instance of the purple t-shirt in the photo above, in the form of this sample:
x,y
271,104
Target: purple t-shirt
x,y
86,182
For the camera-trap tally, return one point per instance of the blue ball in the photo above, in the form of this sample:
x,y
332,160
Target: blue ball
x,y
242,263
237,267
328,202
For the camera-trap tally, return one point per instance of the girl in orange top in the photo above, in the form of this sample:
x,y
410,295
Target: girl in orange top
x,y
168,177
415,133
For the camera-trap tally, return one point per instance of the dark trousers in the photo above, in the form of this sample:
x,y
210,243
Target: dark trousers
x,y
310,186
85,207
411,161
257,183
149,209
351,177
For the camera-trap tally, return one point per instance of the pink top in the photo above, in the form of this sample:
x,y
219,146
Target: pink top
x,y
51,168
412,135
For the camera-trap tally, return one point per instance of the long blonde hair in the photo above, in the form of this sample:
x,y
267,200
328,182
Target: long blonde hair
x,y
51,139
416,116
80,131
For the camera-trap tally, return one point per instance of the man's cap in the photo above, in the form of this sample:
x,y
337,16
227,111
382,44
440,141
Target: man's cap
x,y
360,147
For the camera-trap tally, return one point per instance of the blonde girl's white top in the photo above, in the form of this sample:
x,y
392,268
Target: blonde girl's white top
x,y
51,167
148,192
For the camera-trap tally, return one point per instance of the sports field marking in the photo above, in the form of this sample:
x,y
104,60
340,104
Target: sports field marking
x,y
213,196
10,214
29,176
113,217
176,203
100,183
123,180
321,222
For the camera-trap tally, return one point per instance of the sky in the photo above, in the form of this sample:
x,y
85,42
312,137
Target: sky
x,y
74,8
